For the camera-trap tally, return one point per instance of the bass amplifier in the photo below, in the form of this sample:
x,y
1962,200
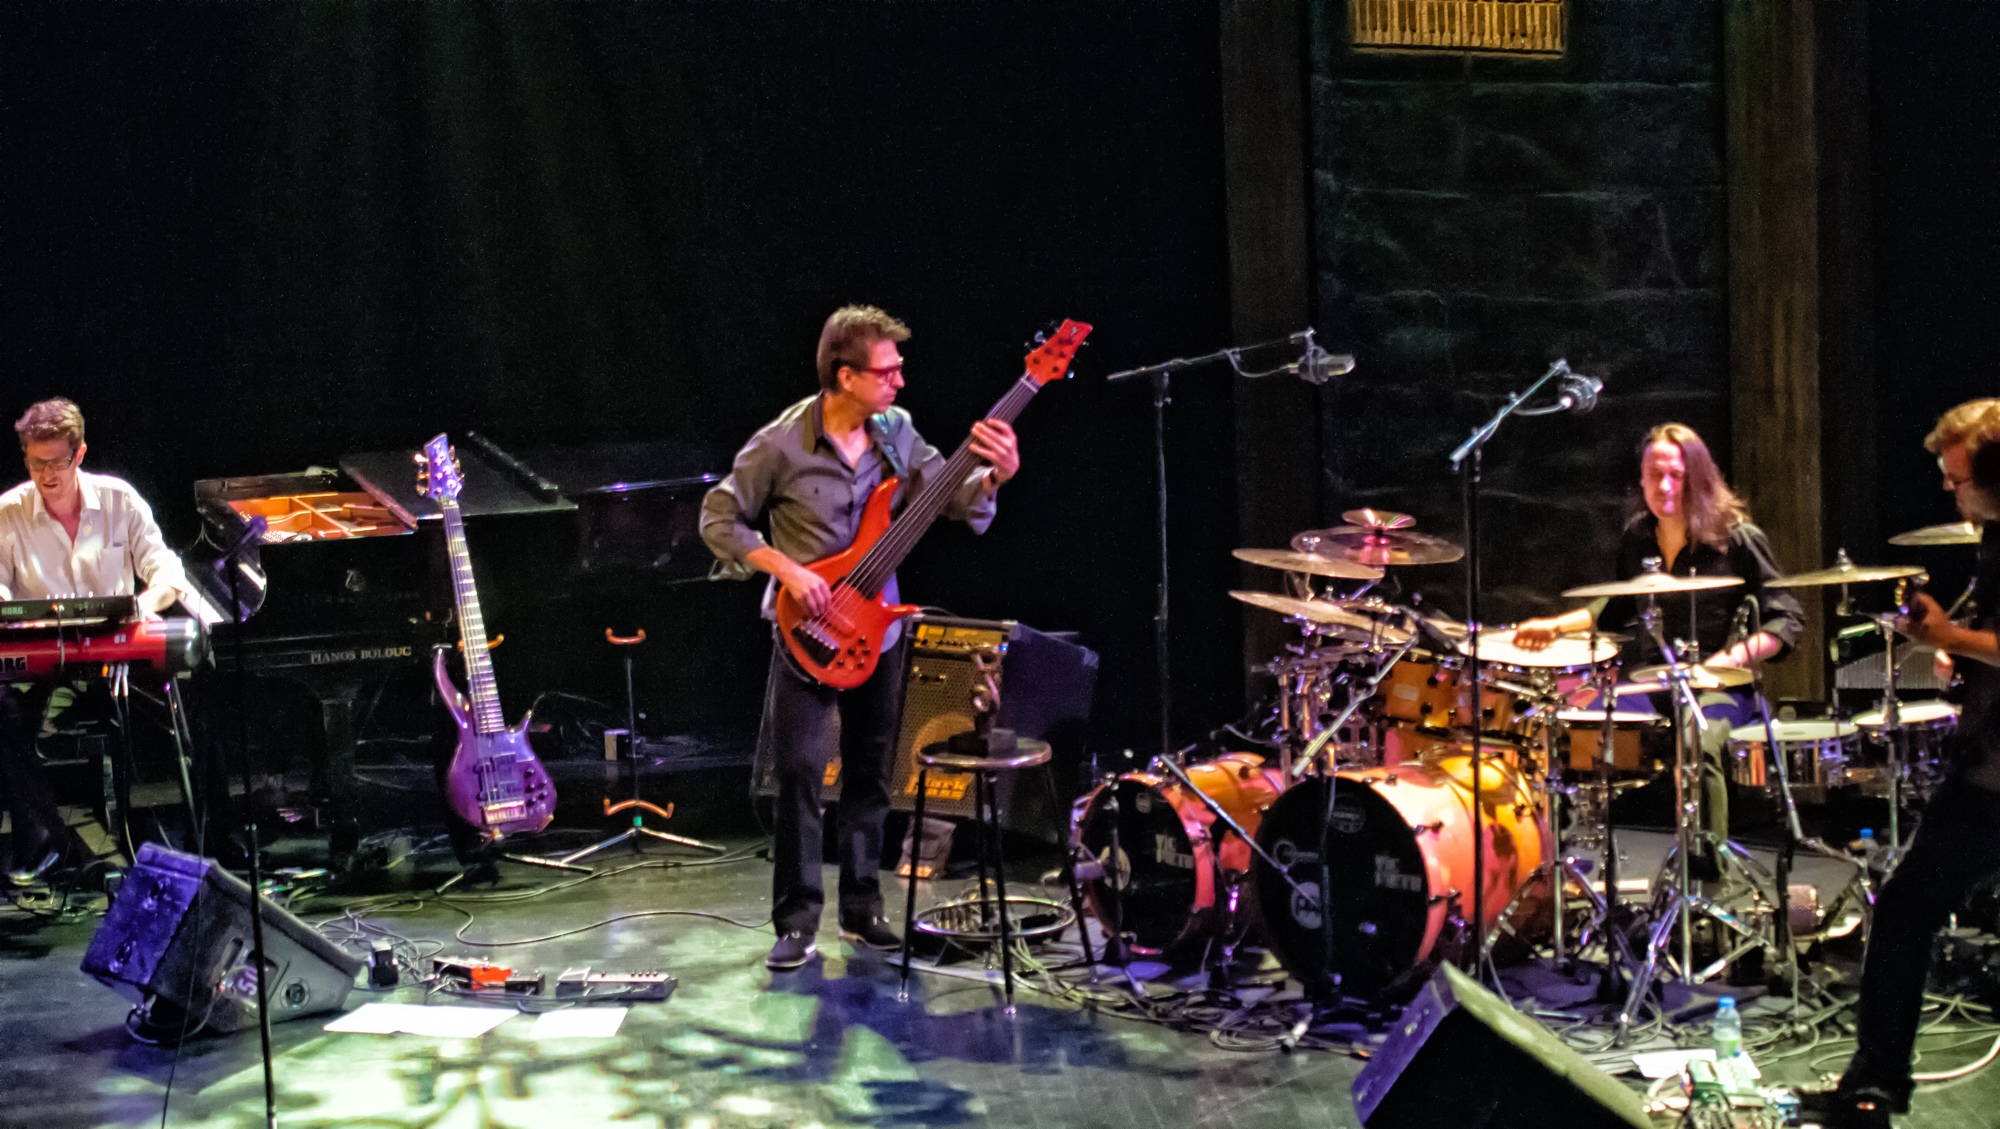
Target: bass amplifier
x,y
1046,683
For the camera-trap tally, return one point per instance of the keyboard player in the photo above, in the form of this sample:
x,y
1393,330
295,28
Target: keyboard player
x,y
65,533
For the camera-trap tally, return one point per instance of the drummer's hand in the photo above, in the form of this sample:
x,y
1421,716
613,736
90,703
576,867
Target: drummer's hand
x,y
1941,667
1929,625
1537,634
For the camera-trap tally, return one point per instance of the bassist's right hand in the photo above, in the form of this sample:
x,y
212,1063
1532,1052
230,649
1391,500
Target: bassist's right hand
x,y
807,587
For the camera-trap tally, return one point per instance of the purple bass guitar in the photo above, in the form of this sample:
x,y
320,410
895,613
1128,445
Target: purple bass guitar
x,y
494,783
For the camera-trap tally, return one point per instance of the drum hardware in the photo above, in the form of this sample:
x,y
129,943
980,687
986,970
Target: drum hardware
x,y
1651,680
1951,533
1675,899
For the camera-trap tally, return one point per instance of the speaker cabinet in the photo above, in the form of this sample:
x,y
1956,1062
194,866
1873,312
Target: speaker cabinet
x,y
1046,684
1461,1055
179,930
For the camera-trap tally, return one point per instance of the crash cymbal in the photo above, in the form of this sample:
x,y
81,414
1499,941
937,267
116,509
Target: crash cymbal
x,y
1326,613
1379,547
1845,572
1950,533
1653,679
1653,584
1313,563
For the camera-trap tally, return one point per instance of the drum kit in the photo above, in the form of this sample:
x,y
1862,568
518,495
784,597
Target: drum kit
x,y
1349,845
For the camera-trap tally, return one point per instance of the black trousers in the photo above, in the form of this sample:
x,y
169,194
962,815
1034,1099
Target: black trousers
x,y
38,824
806,721
1957,846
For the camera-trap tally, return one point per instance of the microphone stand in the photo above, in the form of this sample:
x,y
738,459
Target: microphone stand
x,y
1316,366
232,562
1466,460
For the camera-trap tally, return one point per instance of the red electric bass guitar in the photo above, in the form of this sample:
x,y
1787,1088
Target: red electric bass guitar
x,y
494,783
841,646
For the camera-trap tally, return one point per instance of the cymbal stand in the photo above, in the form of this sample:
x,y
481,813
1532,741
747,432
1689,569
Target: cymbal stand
x,y
1557,869
1788,844
1892,717
1675,901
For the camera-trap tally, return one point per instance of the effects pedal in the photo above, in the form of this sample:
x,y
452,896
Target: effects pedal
x,y
624,987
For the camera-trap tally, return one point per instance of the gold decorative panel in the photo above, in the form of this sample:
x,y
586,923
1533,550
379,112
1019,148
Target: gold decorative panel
x,y
1531,27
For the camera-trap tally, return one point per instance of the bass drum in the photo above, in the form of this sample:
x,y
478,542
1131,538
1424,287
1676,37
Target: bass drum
x,y
1166,867
1401,859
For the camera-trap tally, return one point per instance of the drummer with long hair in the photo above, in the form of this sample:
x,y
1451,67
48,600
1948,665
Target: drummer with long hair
x,y
1695,525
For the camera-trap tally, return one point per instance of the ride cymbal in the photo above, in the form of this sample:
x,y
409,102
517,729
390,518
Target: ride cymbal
x,y
1314,563
1652,584
1950,533
1845,573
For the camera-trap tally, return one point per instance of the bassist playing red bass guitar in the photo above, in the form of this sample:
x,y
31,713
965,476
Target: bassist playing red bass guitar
x,y
824,478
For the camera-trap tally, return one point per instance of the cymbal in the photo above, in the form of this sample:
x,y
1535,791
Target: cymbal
x,y
1653,584
1314,563
1845,573
1950,533
1372,545
1325,612
1653,679
1378,519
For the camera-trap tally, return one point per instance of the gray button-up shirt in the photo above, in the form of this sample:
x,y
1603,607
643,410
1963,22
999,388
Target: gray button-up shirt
x,y
791,478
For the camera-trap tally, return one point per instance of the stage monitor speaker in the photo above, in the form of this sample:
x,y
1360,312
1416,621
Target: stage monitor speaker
x,y
1461,1055
178,930
1046,685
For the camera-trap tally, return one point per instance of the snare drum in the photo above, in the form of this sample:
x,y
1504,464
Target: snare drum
x,y
1817,755
1172,849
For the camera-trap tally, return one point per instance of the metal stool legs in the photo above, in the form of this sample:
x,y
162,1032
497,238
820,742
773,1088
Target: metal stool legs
x,y
910,902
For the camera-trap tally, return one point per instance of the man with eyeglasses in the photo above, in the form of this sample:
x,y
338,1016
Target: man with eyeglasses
x,y
65,532
805,477
1957,845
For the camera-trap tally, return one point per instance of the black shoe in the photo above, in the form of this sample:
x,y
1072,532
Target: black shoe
x,y
872,934
1864,1108
791,951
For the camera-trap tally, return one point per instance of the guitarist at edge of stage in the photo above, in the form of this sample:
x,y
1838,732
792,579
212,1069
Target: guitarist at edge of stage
x,y
807,476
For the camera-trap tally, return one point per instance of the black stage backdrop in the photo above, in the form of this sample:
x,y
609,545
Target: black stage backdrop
x,y
1935,113
250,238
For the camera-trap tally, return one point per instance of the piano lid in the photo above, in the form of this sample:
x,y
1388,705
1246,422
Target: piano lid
x,y
490,487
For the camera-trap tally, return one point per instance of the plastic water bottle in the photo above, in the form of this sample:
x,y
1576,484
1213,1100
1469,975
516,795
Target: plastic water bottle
x,y
1868,844
1727,1031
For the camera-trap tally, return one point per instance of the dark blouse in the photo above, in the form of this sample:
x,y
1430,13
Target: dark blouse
x,y
1748,555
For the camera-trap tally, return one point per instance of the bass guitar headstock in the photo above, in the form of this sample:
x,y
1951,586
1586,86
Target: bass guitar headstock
x,y
1050,358
439,477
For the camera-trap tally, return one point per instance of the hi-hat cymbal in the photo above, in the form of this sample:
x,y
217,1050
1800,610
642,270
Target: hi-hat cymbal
x,y
1652,584
1845,573
1314,563
1950,533
1380,547
1326,613
1653,679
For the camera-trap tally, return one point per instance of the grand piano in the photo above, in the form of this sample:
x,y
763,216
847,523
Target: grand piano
x,y
345,581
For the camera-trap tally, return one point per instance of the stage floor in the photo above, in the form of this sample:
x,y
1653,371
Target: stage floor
x,y
736,1046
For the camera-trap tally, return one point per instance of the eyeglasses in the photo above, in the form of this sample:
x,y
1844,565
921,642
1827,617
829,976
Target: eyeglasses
x,y
893,372
37,466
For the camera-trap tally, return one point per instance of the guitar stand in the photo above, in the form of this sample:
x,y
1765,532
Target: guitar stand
x,y
638,832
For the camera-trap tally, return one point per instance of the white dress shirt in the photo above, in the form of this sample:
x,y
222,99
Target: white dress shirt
x,y
117,542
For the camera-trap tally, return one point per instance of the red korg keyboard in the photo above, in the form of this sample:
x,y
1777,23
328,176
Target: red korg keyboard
x,y
37,650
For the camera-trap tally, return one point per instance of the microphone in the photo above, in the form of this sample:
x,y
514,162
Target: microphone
x,y
1579,392
1318,366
